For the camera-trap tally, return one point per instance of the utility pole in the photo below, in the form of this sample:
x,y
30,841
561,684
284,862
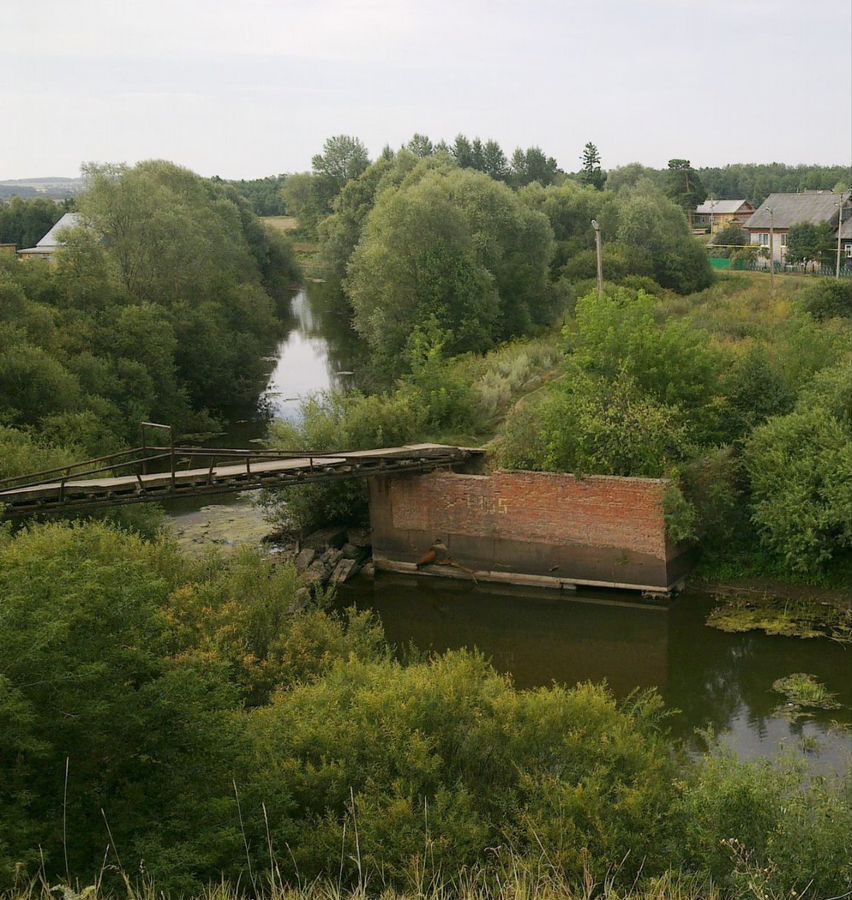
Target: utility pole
x,y
600,255
772,249
839,227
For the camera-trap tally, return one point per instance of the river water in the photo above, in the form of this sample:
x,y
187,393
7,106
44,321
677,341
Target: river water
x,y
718,681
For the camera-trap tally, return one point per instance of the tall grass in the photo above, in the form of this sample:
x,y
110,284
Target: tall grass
x,y
517,881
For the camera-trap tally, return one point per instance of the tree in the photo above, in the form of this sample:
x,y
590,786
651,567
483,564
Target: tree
x,y
455,246
462,152
420,146
684,186
532,165
825,299
26,222
807,242
494,162
485,157
591,172
343,158
656,233
625,177
669,361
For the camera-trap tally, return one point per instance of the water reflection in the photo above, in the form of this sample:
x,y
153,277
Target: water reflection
x,y
716,680
302,364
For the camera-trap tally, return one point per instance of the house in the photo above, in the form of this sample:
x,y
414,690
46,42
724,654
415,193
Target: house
x,y
846,237
46,248
779,212
716,214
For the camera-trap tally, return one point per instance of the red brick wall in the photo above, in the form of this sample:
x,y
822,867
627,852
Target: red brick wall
x,y
536,506
596,529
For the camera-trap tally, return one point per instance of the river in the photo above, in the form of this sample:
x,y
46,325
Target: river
x,y
714,680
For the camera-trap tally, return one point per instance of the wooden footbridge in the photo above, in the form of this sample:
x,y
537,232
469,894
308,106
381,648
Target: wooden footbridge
x,y
154,473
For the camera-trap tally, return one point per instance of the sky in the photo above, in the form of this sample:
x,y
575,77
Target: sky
x,y
248,88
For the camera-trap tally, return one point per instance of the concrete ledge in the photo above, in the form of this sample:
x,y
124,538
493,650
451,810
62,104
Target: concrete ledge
x,y
383,564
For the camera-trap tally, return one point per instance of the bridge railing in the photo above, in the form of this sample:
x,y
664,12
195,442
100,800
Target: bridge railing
x,y
160,459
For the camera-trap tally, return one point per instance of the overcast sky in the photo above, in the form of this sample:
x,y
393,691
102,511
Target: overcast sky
x,y
252,87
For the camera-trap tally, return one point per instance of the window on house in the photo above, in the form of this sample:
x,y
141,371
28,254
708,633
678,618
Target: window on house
x,y
763,239
849,251
784,240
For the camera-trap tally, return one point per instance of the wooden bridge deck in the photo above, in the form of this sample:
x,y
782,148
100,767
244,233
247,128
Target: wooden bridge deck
x,y
239,471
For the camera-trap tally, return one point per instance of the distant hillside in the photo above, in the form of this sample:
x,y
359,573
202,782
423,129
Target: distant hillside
x,y
53,188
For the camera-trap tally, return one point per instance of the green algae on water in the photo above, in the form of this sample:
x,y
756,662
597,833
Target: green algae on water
x,y
788,618
803,694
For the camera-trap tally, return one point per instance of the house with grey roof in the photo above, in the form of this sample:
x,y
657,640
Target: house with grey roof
x,y
46,248
780,212
714,215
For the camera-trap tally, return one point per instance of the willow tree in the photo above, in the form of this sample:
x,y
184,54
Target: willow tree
x,y
454,249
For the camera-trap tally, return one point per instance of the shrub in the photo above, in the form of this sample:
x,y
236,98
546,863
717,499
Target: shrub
x,y
670,361
243,611
386,770
827,298
767,819
86,681
589,425
799,469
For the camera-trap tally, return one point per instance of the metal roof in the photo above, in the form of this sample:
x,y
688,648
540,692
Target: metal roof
x,y
814,207
721,207
52,239
846,227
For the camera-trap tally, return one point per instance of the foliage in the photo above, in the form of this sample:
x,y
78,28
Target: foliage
x,y
680,515
731,235
807,242
160,308
684,185
532,165
245,613
591,425
791,828
446,755
669,361
26,222
343,158
655,229
455,247
87,682
799,468
755,181
264,194
827,298
487,157
748,181
20,453
591,171
128,663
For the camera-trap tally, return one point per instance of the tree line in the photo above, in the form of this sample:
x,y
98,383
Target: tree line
x,y
160,307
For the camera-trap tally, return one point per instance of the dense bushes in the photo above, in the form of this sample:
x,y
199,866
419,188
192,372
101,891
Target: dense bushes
x,y
825,299
748,409
438,761
127,662
799,466
213,725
